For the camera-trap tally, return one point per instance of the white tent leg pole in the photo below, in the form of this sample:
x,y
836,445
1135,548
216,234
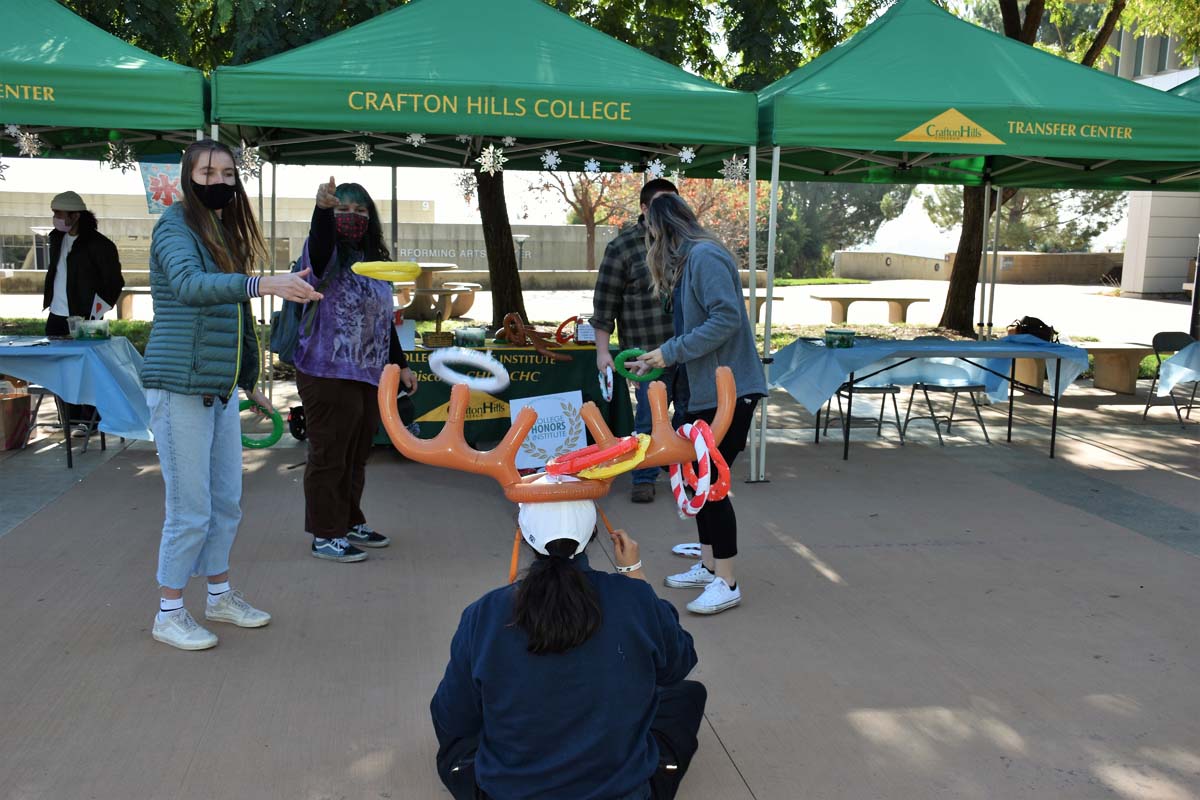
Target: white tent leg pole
x,y
752,256
995,262
762,450
395,216
981,281
216,133
269,361
274,209
199,134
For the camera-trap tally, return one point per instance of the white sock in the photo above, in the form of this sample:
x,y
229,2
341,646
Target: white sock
x,y
168,606
216,591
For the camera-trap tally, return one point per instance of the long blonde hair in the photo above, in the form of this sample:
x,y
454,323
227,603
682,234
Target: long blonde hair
x,y
233,239
672,230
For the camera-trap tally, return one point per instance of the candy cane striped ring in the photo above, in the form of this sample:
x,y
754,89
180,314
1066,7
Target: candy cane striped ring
x,y
720,487
690,507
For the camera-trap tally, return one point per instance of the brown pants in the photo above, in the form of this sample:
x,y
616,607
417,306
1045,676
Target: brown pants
x,y
342,417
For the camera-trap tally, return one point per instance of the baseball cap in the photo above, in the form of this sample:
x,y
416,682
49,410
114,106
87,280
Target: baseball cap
x,y
542,523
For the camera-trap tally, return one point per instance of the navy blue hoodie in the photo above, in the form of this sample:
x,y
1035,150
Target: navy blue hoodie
x,y
563,726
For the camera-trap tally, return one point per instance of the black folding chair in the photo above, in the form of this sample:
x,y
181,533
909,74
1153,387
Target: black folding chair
x,y
1170,342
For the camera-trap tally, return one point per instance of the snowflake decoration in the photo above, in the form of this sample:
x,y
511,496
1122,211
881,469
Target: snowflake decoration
x,y
120,156
13,130
467,184
736,170
249,162
656,169
415,139
509,141
677,177
687,155
3,167
463,138
363,153
491,160
627,168
591,166
30,144
551,160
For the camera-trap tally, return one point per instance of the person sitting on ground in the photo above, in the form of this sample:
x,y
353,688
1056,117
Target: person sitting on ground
x,y
568,685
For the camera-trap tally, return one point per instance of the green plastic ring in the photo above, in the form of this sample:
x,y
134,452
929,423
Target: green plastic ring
x,y
633,352
271,438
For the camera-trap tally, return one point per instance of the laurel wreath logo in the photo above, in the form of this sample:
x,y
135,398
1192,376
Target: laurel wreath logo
x,y
574,431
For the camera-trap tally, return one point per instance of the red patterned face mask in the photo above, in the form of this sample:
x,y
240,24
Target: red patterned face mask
x,y
350,227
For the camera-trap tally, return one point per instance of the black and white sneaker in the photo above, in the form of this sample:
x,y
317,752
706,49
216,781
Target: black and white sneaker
x,y
337,550
363,536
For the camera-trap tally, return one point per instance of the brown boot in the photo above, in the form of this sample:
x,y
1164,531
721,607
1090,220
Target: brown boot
x,y
642,493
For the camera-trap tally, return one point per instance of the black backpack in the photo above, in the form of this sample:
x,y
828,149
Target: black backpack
x,y
1034,327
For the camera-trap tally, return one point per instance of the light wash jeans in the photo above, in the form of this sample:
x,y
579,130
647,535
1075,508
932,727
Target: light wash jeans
x,y
200,450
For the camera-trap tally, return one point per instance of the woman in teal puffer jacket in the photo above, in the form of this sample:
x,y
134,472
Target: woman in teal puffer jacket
x,y
202,348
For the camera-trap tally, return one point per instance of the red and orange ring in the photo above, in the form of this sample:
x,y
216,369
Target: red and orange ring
x,y
559,335
591,456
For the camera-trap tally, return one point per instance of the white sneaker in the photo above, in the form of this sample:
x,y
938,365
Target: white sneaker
x,y
178,629
232,608
716,598
696,577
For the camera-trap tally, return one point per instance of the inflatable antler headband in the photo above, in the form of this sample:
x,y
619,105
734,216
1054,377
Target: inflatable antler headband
x,y
450,449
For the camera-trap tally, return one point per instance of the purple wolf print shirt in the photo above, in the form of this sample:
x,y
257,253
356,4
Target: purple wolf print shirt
x,y
349,337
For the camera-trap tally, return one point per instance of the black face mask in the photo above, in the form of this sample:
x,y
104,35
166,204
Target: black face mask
x,y
215,195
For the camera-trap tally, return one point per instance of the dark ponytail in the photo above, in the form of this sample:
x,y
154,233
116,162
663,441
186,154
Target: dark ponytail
x,y
556,605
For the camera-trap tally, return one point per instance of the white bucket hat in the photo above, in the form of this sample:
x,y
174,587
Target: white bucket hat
x,y
542,523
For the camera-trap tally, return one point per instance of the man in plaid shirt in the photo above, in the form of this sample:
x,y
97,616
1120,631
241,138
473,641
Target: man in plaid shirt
x,y
624,295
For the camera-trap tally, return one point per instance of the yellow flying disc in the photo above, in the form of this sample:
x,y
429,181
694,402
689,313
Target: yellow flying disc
x,y
388,270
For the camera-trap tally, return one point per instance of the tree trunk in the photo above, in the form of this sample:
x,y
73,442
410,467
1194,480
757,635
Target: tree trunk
x,y
589,226
960,298
501,255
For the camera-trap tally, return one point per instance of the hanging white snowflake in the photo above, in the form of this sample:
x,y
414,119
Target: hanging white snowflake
x,y
463,138
591,165
13,130
656,169
491,160
677,177
249,162
3,167
687,155
30,144
415,139
627,168
363,153
120,156
736,170
509,141
467,184
551,159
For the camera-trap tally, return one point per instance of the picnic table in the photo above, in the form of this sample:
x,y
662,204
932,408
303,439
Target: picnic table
x,y
429,301
125,300
812,372
897,304
1115,366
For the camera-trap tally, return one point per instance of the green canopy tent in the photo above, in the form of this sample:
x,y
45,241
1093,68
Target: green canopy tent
x,y
1189,89
78,88
920,96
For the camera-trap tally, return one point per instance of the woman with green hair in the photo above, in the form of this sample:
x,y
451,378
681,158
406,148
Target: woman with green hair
x,y
339,358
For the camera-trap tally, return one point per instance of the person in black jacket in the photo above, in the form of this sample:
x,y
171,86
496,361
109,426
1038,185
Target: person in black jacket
x,y
83,265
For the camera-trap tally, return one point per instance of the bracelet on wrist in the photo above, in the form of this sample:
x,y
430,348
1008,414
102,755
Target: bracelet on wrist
x,y
631,568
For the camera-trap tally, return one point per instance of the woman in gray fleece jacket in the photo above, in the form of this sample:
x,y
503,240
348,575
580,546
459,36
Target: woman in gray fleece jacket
x,y
698,281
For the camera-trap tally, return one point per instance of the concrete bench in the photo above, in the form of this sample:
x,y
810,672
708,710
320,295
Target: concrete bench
x,y
840,305
1114,368
125,300
760,300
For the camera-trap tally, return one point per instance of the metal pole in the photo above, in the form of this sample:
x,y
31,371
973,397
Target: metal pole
x,y
981,281
762,450
216,133
995,262
262,304
1194,328
395,216
752,256
274,209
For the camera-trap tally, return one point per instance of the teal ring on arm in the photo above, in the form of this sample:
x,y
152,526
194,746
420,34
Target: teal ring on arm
x,y
633,352
274,436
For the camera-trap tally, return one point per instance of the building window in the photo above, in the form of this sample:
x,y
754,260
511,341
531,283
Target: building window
x,y
1138,67
1163,46
13,250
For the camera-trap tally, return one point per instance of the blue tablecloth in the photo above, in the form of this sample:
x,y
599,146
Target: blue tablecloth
x,y
1180,368
812,372
104,373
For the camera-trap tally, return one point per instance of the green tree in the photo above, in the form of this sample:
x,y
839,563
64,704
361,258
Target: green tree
x,y
1039,220
818,219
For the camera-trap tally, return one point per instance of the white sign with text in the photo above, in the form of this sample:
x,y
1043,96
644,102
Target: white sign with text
x,y
559,428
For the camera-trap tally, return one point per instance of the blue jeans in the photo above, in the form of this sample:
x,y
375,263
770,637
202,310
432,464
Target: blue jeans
x,y
642,421
200,451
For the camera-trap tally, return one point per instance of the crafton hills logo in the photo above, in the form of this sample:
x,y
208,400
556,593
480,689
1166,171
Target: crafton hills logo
x,y
950,126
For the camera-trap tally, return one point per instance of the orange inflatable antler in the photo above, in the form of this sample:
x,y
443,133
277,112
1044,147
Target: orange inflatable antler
x,y
450,449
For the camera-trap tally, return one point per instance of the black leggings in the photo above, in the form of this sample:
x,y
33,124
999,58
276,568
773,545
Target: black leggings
x,y
675,728
716,522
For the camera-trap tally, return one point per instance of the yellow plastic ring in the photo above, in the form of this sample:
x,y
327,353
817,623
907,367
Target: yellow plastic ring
x,y
621,466
388,270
